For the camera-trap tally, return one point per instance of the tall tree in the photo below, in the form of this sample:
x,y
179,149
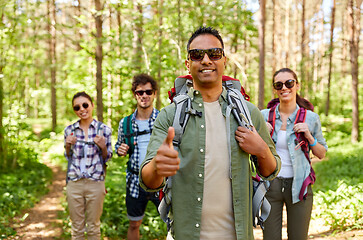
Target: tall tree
x,y
160,42
99,58
52,20
303,73
287,33
354,30
261,44
327,105
137,32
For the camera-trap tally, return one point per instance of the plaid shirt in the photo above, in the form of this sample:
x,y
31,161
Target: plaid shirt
x,y
132,179
93,156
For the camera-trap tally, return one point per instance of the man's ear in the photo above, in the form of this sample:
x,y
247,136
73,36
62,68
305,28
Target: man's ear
x,y
187,65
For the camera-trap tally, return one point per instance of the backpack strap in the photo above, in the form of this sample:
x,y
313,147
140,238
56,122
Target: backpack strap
x,y
99,133
129,134
183,110
304,144
260,206
239,107
71,152
301,141
271,119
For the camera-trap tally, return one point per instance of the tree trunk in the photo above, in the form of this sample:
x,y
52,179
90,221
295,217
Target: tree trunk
x,y
354,28
273,41
160,43
331,47
261,43
287,33
118,81
303,57
109,80
52,20
294,59
344,40
137,40
80,35
99,58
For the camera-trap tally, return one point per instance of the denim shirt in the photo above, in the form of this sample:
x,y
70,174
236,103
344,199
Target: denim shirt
x,y
301,166
187,184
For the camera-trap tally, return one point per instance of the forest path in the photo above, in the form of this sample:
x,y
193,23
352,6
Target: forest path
x,y
43,221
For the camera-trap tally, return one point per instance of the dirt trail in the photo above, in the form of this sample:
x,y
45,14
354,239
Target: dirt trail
x,y
42,221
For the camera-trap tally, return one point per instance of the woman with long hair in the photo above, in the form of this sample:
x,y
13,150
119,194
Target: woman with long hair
x,y
88,147
296,130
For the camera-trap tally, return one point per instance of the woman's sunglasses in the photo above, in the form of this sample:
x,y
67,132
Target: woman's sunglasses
x,y
77,107
289,84
214,54
141,92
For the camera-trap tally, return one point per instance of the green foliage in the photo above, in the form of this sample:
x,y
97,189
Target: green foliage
x,y
114,218
339,188
19,190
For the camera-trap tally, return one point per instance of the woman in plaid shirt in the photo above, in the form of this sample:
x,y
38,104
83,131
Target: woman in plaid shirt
x,y
87,148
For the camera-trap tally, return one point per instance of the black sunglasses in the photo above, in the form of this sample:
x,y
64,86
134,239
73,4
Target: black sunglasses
x,y
214,54
289,84
141,92
77,107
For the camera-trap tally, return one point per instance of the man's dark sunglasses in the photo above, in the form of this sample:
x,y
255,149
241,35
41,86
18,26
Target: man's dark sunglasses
x,y
77,107
214,54
289,84
141,92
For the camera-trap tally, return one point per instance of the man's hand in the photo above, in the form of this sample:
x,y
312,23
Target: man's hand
x,y
250,141
122,149
164,164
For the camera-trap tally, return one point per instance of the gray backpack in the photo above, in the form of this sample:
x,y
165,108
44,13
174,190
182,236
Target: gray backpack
x,y
236,97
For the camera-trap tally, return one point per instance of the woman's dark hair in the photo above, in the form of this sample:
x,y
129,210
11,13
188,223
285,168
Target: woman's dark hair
x,y
302,102
202,31
142,79
82,94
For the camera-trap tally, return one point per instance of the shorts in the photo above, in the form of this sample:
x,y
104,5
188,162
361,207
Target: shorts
x,y
136,206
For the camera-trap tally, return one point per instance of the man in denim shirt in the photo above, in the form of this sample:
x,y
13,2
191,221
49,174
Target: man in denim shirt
x,y
211,192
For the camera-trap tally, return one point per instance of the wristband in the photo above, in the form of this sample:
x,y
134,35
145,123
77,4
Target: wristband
x,y
315,142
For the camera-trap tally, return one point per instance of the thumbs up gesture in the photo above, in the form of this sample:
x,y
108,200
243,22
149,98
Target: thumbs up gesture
x,y
166,162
